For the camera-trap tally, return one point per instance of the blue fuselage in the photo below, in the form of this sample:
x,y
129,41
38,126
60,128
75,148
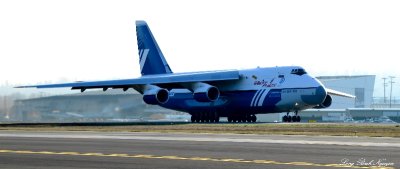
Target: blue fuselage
x,y
255,94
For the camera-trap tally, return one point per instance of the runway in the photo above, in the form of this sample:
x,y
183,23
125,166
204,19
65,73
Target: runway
x,y
64,150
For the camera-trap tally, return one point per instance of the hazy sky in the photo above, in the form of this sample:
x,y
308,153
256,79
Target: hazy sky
x,y
92,40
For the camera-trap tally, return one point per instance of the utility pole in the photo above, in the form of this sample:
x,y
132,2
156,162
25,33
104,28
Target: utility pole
x,y
391,84
5,105
384,90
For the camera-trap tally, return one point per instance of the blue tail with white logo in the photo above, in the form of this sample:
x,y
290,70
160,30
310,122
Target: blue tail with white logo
x,y
151,59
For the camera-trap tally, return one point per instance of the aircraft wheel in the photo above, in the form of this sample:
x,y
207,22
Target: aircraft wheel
x,y
242,119
213,119
202,118
193,119
208,118
289,119
216,118
229,119
294,118
248,118
253,118
284,119
197,118
298,118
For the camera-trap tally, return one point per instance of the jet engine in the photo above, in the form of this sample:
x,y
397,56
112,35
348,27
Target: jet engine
x,y
326,103
155,95
203,92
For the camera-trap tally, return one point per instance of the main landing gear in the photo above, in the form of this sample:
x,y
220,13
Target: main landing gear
x,y
288,118
214,118
242,118
205,118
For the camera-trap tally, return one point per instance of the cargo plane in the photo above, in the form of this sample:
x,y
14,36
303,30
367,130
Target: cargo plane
x,y
236,94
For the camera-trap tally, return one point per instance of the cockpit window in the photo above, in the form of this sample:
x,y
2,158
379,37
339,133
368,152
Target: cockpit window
x,y
298,72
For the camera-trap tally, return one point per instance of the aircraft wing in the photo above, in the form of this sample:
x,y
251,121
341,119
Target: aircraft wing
x,y
337,93
165,80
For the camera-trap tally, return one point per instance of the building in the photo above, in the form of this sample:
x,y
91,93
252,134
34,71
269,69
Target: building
x,y
354,115
360,86
88,106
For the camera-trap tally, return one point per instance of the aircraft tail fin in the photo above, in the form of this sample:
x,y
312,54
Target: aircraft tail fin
x,y
151,59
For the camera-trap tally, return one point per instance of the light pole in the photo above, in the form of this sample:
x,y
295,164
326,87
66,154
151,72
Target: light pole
x,y
391,84
384,90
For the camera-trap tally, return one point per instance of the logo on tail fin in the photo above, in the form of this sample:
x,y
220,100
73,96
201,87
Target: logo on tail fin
x,y
143,57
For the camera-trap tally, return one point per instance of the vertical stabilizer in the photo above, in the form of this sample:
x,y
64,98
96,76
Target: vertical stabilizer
x,y
151,59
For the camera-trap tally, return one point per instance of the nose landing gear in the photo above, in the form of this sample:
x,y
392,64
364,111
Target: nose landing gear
x,y
288,118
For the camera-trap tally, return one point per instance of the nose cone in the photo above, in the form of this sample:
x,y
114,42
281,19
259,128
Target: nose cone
x,y
316,97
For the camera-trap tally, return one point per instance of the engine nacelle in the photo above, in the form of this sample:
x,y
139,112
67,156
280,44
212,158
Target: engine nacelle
x,y
326,103
155,95
203,92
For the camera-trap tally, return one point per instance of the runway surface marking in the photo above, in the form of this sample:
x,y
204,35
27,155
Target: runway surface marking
x,y
146,156
132,136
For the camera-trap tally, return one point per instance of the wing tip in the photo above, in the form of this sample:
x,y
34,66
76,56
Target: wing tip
x,y
337,93
21,87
